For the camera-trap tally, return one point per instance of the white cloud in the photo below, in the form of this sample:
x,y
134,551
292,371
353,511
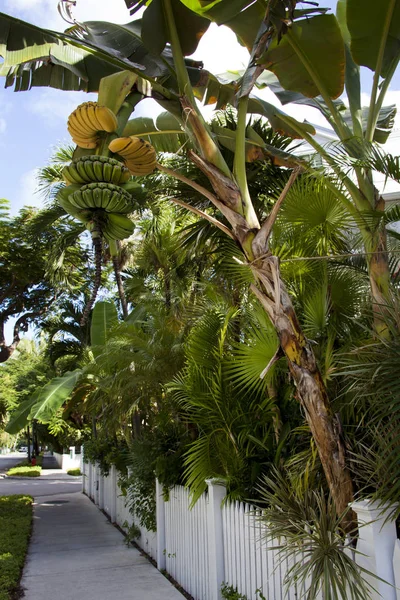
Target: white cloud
x,y
28,195
53,106
3,125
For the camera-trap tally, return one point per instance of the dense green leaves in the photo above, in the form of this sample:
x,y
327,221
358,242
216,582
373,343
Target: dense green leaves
x,y
15,526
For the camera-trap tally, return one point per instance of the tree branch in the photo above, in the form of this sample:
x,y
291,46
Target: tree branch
x,y
237,221
204,215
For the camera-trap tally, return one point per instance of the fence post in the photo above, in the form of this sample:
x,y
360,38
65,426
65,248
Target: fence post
x,y
160,519
101,489
114,492
376,543
216,493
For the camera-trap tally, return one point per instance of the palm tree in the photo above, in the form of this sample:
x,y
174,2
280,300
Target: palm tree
x,y
67,339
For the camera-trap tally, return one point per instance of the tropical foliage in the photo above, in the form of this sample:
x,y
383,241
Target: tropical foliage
x,y
260,324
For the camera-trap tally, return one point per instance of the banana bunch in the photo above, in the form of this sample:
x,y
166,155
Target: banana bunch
x,y
96,168
109,197
139,155
83,215
87,120
117,227
83,202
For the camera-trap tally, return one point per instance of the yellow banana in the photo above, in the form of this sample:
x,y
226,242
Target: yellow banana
x,y
106,118
92,117
78,120
141,168
119,144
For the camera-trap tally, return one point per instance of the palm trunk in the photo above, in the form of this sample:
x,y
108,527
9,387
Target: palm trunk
x,y
118,280
379,274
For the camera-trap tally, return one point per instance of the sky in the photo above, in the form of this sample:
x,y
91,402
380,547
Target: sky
x,y
34,123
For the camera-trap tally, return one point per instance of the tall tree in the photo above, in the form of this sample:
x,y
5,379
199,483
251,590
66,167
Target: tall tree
x,y
272,27
26,290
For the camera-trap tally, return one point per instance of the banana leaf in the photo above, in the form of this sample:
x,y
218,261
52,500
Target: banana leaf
x,y
384,124
190,27
279,121
244,17
309,58
75,60
104,318
374,27
45,402
256,148
19,417
164,133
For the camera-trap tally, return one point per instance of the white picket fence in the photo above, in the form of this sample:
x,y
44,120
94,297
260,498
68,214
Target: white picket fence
x,y
214,542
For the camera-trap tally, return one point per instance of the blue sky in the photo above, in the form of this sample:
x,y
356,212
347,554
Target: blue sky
x,y
33,123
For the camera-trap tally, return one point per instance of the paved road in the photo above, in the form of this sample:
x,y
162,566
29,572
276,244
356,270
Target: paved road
x,y
49,484
39,487
75,552
10,460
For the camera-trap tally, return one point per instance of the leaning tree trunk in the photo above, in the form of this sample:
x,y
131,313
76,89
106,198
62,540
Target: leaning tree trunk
x,y
311,391
271,292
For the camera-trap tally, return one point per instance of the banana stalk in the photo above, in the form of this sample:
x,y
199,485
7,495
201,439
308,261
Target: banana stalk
x,y
192,115
98,247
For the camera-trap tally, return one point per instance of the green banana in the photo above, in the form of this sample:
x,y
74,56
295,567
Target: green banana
x,y
107,172
82,215
77,200
92,168
116,229
71,174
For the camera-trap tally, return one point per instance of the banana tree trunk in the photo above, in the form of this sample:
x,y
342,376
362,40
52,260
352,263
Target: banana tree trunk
x,y
271,292
311,391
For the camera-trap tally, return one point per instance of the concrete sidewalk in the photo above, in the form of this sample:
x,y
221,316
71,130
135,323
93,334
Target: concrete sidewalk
x,y
75,552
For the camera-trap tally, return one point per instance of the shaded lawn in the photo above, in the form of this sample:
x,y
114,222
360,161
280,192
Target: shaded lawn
x,y
25,469
15,529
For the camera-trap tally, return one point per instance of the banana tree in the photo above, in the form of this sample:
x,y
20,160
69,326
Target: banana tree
x,y
311,61
170,26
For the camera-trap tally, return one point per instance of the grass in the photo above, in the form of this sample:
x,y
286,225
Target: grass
x,y
74,472
25,469
15,527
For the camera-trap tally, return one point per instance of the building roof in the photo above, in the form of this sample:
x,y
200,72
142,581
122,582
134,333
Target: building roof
x,y
390,189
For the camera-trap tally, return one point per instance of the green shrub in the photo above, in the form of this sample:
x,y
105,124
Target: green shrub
x,y
15,527
74,472
25,471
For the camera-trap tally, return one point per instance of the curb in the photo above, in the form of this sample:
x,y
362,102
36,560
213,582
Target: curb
x,y
40,478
